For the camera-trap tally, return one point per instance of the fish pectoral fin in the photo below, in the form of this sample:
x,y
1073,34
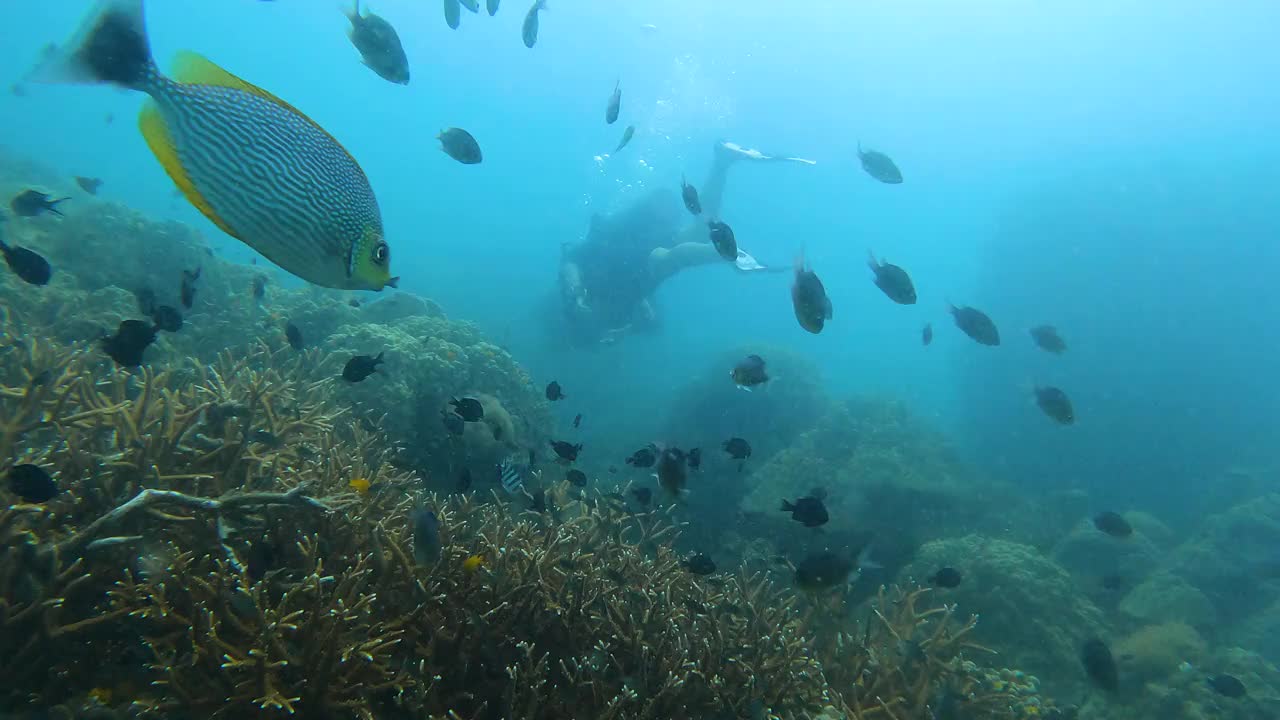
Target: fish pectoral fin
x,y
156,132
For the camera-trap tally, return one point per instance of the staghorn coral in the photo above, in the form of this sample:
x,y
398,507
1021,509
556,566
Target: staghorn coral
x,y
589,616
128,447
904,660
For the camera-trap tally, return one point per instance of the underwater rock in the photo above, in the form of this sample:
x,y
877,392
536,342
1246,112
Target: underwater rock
x,y
1090,554
1154,652
1032,609
711,408
493,438
885,473
398,306
1152,528
430,360
1164,598
1260,632
1234,557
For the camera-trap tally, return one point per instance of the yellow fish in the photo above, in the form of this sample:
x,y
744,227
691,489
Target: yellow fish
x,y
258,168
360,485
473,563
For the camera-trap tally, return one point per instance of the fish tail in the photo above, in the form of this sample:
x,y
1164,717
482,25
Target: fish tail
x,y
787,506
540,5
110,46
871,260
52,205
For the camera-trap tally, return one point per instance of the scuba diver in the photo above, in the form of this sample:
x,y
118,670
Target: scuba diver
x,y
606,280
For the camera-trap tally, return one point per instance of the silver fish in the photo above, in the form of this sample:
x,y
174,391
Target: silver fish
x,y
615,104
626,137
529,31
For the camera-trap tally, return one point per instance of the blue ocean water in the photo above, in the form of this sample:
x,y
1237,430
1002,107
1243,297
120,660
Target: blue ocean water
x,y
1108,169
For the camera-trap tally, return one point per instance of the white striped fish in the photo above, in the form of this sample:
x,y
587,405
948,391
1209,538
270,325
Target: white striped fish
x,y
512,477
258,168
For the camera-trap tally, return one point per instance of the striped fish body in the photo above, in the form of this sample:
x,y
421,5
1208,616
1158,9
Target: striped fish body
x,y
267,175
511,477
253,164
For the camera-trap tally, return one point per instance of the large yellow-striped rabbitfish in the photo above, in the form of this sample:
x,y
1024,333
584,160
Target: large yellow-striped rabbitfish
x,y
258,168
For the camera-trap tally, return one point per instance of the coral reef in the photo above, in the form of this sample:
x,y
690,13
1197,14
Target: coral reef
x,y
1042,614
1168,598
304,609
711,409
1260,632
429,360
207,541
232,532
885,475
1089,554
908,661
1154,652
1248,534
429,357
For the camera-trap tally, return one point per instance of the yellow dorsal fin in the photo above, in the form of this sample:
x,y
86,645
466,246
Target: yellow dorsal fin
x,y
156,132
195,69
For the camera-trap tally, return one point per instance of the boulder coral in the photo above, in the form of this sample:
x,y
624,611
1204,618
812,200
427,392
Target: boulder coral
x,y
1164,598
427,361
711,408
884,472
1231,555
1039,617
1090,554
1154,652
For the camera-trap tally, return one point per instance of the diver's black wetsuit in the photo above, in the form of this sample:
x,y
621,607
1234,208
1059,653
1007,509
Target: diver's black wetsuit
x,y
606,280
613,263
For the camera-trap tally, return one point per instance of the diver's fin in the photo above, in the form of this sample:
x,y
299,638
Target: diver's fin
x,y
746,263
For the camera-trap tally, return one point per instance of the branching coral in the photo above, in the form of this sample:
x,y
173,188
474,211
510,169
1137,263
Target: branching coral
x,y
908,660
235,442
